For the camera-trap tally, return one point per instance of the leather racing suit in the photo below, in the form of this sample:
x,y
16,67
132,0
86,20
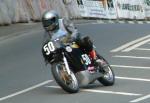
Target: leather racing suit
x,y
69,31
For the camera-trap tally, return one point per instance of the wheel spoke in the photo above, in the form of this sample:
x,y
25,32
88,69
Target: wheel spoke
x,y
69,80
108,75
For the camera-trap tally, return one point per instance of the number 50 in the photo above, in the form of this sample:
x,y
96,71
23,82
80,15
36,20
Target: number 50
x,y
49,47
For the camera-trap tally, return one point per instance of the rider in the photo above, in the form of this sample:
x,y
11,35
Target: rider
x,y
53,24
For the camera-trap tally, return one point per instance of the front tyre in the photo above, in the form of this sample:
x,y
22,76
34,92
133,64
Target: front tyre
x,y
108,78
69,83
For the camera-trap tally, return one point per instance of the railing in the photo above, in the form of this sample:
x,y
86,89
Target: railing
x,y
14,11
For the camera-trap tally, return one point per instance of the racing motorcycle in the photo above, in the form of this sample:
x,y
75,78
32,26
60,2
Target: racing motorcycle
x,y
72,67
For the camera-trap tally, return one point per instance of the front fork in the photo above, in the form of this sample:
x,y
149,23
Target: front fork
x,y
66,65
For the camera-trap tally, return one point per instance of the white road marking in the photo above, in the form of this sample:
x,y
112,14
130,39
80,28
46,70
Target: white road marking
x,y
144,49
135,79
136,45
31,23
121,22
111,92
99,22
140,22
25,90
16,35
102,91
130,44
140,99
131,67
86,23
57,87
131,22
132,57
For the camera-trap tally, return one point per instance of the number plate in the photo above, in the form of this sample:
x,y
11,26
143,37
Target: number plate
x,y
86,59
48,48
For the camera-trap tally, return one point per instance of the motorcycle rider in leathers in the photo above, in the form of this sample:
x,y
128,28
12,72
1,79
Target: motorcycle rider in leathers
x,y
56,27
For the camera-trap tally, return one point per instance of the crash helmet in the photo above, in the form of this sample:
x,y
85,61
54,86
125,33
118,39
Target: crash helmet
x,y
50,21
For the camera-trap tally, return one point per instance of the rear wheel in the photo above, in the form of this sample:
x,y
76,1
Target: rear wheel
x,y
108,77
69,83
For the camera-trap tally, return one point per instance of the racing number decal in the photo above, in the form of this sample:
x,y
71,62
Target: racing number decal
x,y
49,47
86,59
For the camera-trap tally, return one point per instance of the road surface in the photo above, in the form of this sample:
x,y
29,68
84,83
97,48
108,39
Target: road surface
x,y
24,78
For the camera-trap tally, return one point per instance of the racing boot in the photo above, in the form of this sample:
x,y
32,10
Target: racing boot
x,y
98,63
94,58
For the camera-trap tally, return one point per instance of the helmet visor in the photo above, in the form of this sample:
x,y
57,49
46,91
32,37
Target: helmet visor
x,y
51,27
49,22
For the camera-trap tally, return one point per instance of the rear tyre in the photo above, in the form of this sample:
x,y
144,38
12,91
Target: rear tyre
x,y
69,83
108,78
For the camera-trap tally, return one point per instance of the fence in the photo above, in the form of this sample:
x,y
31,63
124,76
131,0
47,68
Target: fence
x,y
13,11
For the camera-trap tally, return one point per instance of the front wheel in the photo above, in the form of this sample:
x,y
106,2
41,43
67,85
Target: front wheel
x,y
108,78
69,83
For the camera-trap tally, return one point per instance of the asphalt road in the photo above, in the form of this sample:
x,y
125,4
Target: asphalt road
x,y
24,78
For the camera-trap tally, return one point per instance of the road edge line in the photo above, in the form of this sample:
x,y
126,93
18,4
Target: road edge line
x,y
25,90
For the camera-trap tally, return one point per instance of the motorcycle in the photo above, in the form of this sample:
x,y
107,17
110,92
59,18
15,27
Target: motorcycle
x,y
72,67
